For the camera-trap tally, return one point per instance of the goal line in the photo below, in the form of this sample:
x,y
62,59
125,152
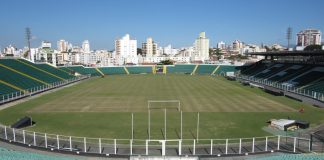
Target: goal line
x,y
164,104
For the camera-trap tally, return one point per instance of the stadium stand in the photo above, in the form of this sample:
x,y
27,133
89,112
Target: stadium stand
x,y
170,69
205,69
139,70
309,76
112,70
79,69
17,79
293,73
56,71
272,70
29,70
286,73
70,71
19,76
92,71
317,86
184,68
83,70
181,68
223,69
5,89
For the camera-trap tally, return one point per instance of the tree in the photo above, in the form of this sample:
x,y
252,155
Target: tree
x,y
211,51
166,62
139,51
313,48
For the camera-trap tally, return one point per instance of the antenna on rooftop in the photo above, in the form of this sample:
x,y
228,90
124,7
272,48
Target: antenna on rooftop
x,y
289,31
28,38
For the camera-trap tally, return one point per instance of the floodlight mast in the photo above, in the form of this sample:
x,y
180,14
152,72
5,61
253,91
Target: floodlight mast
x,y
28,38
289,31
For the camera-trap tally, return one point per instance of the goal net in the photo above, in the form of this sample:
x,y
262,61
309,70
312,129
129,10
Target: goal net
x,y
164,104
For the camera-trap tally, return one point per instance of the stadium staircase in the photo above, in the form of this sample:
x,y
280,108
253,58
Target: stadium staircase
x,y
165,69
205,69
126,70
100,72
215,70
195,69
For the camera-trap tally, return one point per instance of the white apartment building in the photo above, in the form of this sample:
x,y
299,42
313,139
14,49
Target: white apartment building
x,y
86,46
308,37
250,49
126,50
62,45
186,52
149,48
169,51
201,47
237,45
159,59
221,45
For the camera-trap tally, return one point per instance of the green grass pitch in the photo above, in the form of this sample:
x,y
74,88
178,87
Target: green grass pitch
x,y
102,107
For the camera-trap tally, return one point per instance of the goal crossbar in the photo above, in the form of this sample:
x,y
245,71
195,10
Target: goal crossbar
x,y
149,102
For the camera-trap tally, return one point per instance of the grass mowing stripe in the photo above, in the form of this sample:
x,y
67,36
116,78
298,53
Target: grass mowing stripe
x,y
101,107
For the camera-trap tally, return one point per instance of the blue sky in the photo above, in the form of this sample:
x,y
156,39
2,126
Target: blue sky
x,y
176,22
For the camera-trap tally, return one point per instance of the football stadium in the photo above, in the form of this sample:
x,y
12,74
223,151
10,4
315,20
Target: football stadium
x,y
188,110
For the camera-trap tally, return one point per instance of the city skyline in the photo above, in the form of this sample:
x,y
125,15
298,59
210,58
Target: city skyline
x,y
168,22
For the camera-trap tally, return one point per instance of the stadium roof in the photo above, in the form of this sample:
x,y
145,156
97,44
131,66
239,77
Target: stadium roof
x,y
289,53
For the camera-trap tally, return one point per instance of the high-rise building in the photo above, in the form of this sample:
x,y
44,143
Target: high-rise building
x,y
237,45
126,47
86,46
221,45
201,47
149,48
126,50
308,37
62,45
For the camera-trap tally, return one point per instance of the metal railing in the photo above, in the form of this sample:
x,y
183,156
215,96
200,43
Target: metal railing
x,y
285,87
38,89
168,147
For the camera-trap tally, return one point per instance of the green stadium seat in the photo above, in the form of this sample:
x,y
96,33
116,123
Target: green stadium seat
x,y
205,69
224,68
139,69
184,68
112,70
17,79
15,64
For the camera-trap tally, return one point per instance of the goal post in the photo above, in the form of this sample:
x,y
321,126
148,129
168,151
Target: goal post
x,y
164,104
